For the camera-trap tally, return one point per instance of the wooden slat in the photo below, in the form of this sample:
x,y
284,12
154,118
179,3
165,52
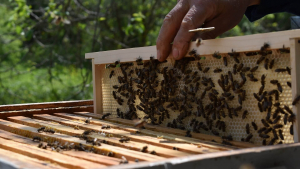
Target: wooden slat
x,y
46,155
207,47
104,148
167,130
101,159
202,143
4,115
139,138
132,145
98,71
295,73
46,105
21,161
170,130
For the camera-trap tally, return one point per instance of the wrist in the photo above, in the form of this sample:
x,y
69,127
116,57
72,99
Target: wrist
x,y
254,2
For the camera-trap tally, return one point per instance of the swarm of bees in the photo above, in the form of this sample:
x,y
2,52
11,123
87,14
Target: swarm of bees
x,y
158,90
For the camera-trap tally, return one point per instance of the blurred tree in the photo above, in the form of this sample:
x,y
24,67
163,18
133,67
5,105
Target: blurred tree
x,y
42,43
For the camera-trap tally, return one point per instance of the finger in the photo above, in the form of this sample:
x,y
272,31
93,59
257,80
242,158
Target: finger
x,y
168,31
193,19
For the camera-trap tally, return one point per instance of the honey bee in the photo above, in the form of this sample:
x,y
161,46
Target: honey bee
x,y
280,134
251,53
279,87
272,141
274,82
248,138
88,120
254,69
217,70
254,125
225,61
261,130
111,73
260,59
110,154
289,84
215,132
206,70
266,64
284,50
247,128
226,142
245,69
265,136
124,139
41,129
188,133
229,137
296,100
288,70
175,148
292,129
262,79
265,47
292,118
265,123
217,55
239,67
199,66
275,134
105,115
36,138
271,63
268,130
280,70
277,126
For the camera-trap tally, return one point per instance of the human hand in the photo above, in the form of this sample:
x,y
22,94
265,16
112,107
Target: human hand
x,y
192,14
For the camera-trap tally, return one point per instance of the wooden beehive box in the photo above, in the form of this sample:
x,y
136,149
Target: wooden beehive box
x,y
103,65
157,146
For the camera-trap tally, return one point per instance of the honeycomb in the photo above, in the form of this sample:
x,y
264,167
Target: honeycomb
x,y
236,126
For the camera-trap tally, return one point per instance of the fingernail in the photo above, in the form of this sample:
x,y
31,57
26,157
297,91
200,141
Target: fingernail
x,y
158,55
175,53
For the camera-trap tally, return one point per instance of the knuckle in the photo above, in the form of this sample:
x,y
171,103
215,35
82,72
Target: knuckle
x,y
188,23
168,19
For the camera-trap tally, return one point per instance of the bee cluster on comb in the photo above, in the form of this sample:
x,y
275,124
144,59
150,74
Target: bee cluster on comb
x,y
237,96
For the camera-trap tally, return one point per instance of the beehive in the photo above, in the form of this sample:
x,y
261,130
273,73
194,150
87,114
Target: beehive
x,y
103,84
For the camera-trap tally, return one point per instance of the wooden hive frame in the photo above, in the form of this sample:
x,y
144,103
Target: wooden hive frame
x,y
290,39
19,124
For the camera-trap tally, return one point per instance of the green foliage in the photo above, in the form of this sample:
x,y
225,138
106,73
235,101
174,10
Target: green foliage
x,y
42,43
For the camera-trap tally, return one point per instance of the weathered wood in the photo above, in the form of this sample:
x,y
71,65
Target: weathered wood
x,y
98,71
177,138
135,137
46,105
295,72
4,115
132,145
97,158
104,148
168,130
207,47
46,155
16,160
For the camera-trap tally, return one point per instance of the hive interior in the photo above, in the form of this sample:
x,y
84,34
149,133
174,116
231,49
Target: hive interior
x,y
236,126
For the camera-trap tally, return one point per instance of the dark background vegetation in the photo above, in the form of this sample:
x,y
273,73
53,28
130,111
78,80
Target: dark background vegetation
x,y
43,42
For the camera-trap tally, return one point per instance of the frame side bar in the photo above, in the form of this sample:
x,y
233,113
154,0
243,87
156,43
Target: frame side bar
x,y
295,72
